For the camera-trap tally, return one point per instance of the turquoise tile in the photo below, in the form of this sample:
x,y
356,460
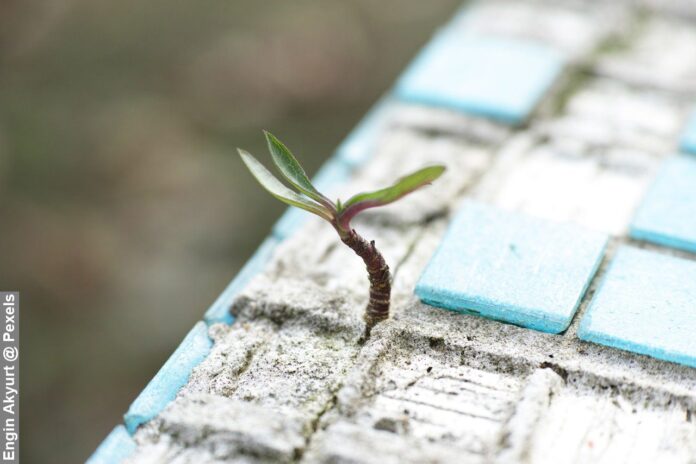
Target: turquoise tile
x,y
360,144
173,375
688,139
511,267
667,215
499,78
330,176
115,448
220,309
645,304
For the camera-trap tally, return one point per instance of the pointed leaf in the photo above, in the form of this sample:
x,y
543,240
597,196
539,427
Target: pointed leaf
x,y
401,187
279,190
292,170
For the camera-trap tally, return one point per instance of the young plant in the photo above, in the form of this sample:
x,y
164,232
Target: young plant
x,y
339,214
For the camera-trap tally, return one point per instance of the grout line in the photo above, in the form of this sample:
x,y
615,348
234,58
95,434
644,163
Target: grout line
x,y
594,284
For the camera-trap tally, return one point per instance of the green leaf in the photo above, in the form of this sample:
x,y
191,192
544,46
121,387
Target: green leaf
x,y
292,170
401,187
279,190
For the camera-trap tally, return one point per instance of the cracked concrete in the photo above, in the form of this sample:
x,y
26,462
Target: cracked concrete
x,y
289,380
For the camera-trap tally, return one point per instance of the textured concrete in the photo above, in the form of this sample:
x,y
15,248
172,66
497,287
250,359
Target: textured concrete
x,y
571,28
443,121
604,114
553,179
209,428
464,390
642,60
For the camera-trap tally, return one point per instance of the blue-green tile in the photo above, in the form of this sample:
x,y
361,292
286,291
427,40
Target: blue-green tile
x,y
173,375
499,78
688,139
667,215
115,448
512,267
646,303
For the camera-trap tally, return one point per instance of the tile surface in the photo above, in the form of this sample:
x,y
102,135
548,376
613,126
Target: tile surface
x,y
220,309
688,140
503,79
645,304
116,447
667,215
173,375
511,267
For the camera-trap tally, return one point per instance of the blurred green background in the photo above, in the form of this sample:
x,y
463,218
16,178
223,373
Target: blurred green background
x,y
125,210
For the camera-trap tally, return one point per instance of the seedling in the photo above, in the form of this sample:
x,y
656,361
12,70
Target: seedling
x,y
339,214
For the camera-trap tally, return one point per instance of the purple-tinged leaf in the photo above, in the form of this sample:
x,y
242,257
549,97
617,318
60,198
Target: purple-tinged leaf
x,y
293,171
402,187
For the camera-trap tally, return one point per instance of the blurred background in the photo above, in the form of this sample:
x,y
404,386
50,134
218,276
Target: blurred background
x,y
125,210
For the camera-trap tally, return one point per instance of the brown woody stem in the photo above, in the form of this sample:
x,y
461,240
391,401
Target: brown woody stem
x,y
380,279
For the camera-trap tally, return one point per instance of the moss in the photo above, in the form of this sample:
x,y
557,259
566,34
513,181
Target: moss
x,y
575,80
615,44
